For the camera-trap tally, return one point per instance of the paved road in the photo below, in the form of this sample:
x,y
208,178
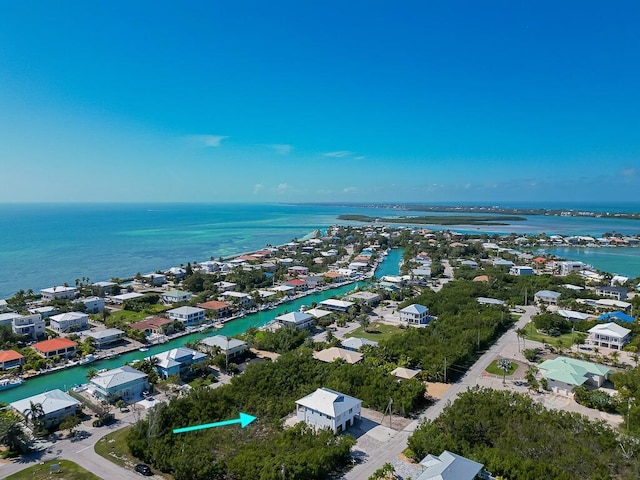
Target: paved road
x,y
387,452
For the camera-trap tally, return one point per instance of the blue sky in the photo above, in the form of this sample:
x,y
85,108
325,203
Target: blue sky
x,y
313,102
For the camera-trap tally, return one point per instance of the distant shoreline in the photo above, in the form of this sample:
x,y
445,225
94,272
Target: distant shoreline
x,y
486,220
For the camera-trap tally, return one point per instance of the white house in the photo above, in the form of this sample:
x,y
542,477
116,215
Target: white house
x,y
520,271
155,279
415,314
489,301
175,296
70,321
123,382
63,292
299,320
239,298
449,466
547,296
120,299
231,347
187,315
336,305
223,286
28,325
107,337
56,406
327,408
608,335
93,304
355,343
369,298
568,267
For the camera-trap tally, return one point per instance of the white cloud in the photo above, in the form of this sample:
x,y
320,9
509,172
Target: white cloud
x,y
257,188
282,148
207,140
350,190
283,187
338,154
360,157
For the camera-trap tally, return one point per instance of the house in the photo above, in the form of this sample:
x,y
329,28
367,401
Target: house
x,y
299,320
489,301
405,373
123,382
297,283
354,343
56,347
565,268
469,264
449,466
103,288
327,408
520,271
318,312
330,355
153,326
367,298
223,286
500,262
32,326
336,305
608,335
616,317
244,300
415,314
617,293
175,296
176,272
574,316
187,315
297,270
120,299
93,304
547,296
44,312
56,293
3,305
177,361
563,374
155,279
68,322
231,347
56,406
10,359
106,338
219,309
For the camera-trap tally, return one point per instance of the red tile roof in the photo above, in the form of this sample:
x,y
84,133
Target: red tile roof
x,y
214,305
9,355
150,323
296,282
54,344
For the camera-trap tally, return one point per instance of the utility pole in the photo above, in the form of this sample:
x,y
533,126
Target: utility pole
x,y
445,369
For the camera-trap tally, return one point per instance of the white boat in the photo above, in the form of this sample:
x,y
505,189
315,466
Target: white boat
x,y
10,382
143,349
87,359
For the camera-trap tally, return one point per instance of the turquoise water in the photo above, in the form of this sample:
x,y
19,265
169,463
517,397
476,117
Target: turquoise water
x,y
619,260
70,377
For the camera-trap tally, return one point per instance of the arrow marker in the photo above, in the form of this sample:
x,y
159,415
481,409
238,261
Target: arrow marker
x,y
244,420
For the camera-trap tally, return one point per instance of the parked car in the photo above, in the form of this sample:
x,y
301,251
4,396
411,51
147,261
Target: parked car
x,y
143,469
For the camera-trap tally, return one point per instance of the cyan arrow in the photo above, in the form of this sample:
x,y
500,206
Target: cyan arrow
x,y
243,420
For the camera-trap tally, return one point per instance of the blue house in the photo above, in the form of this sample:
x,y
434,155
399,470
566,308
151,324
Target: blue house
x,y
177,361
616,316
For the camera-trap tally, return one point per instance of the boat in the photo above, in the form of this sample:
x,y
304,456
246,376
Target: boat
x,y
143,349
6,383
87,359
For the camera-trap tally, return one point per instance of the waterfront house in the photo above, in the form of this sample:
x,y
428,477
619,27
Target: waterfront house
x,y
318,312
327,408
230,347
177,361
335,305
298,284
187,315
103,288
449,466
219,309
339,276
243,300
59,292
608,335
175,296
331,354
123,382
120,299
415,314
106,338
69,322
367,298
56,347
56,406
565,268
154,326
354,343
617,293
154,279
298,320
547,296
93,304
10,359
563,374
32,326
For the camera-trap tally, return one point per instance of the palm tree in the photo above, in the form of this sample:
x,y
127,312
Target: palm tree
x,y
521,332
504,365
12,435
35,415
615,356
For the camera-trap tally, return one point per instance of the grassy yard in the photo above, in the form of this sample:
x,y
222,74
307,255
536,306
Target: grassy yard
x,y
376,332
566,339
68,471
128,316
495,370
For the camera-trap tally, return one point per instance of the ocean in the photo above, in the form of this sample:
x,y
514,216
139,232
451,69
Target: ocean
x,y
42,245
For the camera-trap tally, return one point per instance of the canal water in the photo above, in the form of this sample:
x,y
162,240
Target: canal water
x,y
69,377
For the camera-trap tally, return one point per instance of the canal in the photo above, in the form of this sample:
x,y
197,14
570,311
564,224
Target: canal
x,y
69,377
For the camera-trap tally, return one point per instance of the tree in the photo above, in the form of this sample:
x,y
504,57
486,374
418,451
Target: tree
x,y
92,372
35,416
70,423
364,322
522,333
12,434
504,365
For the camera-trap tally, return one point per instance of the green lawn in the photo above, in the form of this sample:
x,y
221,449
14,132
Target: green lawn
x,y
493,368
128,316
376,332
567,339
68,471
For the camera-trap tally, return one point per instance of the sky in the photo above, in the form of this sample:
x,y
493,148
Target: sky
x,y
333,101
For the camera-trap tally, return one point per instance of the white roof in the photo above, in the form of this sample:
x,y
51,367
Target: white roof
x,y
117,376
332,354
329,402
282,288
62,317
294,317
177,356
51,401
235,294
336,303
449,466
547,293
357,343
611,329
186,310
573,314
415,309
109,332
318,312
489,301
610,302
220,341
127,296
59,289
572,287
406,373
